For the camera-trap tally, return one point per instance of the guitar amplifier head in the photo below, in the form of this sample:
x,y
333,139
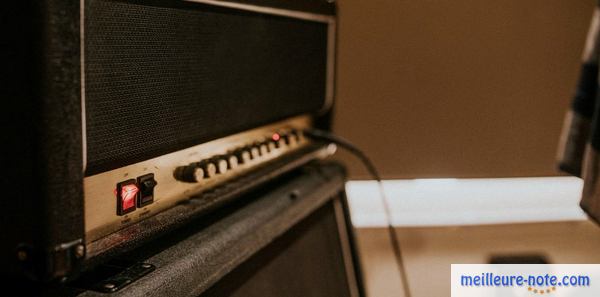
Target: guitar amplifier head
x,y
132,117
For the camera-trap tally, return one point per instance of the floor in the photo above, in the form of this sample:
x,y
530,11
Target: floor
x,y
429,251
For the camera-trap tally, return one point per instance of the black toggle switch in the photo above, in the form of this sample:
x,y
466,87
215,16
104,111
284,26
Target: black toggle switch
x,y
146,184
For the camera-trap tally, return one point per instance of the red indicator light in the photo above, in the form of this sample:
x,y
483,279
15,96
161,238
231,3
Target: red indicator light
x,y
128,195
276,137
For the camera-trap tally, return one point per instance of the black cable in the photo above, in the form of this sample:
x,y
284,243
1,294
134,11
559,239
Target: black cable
x,y
345,144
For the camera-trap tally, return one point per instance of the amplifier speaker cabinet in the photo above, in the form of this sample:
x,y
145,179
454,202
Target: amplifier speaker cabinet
x,y
125,119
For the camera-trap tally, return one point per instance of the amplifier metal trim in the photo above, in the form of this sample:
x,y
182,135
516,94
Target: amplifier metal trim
x,y
82,78
270,10
330,72
345,246
100,202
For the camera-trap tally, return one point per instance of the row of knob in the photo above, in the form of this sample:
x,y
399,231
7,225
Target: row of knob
x,y
220,164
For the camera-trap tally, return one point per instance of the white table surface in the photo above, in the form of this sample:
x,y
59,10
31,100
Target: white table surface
x,y
456,202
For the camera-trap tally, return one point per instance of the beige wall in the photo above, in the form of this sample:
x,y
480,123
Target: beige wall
x,y
457,88
429,252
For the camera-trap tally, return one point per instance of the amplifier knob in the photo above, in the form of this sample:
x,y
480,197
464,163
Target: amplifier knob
x,y
232,161
221,165
254,152
210,169
295,137
264,149
243,155
192,173
285,138
278,143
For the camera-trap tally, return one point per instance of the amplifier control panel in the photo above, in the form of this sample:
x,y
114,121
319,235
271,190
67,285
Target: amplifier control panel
x,y
197,172
120,197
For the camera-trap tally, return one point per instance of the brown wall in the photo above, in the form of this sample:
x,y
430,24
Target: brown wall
x,y
463,88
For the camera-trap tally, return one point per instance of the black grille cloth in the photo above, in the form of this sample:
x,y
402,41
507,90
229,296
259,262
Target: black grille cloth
x,y
165,75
